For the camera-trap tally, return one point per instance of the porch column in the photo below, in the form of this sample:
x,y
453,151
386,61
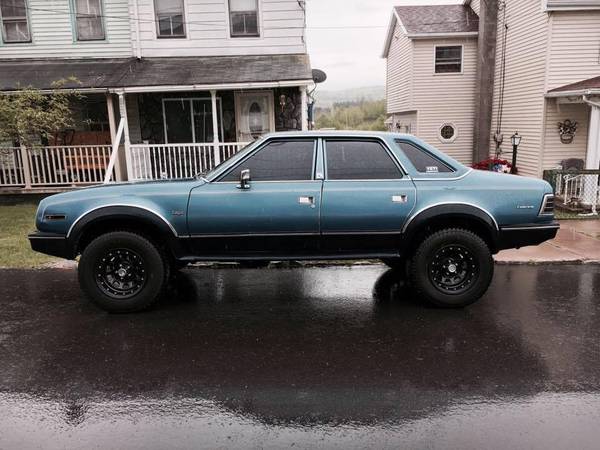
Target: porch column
x,y
592,160
112,124
123,113
304,107
215,117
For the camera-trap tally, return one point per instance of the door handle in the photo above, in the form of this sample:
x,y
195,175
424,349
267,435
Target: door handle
x,y
306,200
399,198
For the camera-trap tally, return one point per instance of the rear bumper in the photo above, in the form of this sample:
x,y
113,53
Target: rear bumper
x,y
516,236
50,244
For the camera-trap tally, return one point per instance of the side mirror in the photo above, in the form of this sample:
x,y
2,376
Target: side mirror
x,y
244,179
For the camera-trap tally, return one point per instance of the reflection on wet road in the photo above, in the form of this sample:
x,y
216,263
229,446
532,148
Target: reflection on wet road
x,y
314,357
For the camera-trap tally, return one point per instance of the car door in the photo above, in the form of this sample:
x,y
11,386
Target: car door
x,y
278,212
367,197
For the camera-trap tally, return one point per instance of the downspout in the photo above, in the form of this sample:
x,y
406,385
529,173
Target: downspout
x,y
136,18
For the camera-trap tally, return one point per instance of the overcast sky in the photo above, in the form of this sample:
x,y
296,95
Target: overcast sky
x,y
351,57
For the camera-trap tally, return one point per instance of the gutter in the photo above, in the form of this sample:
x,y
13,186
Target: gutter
x,y
208,87
588,101
572,93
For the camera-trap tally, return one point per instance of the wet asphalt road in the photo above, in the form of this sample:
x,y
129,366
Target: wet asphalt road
x,y
310,357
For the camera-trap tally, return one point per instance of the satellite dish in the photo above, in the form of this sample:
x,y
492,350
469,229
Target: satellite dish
x,y
318,76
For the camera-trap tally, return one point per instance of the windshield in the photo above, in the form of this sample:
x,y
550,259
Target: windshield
x,y
208,174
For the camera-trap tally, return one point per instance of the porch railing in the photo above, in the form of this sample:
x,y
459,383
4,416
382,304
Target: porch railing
x,y
577,192
165,161
72,165
11,167
53,166
86,164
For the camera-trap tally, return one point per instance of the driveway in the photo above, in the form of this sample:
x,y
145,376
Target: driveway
x,y
340,357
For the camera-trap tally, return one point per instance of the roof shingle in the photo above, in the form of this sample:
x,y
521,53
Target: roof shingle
x,y
590,83
438,19
130,72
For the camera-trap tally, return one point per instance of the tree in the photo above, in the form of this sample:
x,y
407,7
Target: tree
x,y
28,116
363,115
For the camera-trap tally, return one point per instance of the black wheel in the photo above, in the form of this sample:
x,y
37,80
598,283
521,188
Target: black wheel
x,y
255,264
452,268
123,272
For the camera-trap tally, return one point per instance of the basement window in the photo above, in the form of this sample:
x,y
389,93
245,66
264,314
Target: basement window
x,y
243,18
88,16
15,25
448,59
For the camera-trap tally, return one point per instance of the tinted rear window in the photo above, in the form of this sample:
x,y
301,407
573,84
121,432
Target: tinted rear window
x,y
423,161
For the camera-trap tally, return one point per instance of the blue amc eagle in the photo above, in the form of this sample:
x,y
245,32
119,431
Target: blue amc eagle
x,y
302,196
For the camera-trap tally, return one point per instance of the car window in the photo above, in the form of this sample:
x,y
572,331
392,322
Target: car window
x,y
423,161
359,160
278,161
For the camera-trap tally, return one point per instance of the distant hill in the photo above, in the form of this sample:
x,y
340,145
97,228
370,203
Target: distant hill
x,y
325,98
365,115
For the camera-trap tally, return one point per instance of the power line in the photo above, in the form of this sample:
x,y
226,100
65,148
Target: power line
x,y
213,22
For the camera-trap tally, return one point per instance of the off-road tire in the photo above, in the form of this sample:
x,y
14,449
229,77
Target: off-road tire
x,y
436,268
148,272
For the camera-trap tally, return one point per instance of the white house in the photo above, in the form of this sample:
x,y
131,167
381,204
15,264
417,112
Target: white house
x,y
467,76
188,81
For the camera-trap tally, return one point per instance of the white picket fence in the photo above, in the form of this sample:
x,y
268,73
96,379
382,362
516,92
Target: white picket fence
x,y
168,161
86,164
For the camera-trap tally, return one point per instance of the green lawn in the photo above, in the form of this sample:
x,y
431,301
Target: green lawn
x,y
15,223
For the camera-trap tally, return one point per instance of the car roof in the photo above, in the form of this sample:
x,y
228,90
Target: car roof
x,y
338,133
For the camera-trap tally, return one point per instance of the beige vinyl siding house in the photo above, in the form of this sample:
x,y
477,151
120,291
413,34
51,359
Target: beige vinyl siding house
x,y
548,46
445,98
545,56
522,108
421,101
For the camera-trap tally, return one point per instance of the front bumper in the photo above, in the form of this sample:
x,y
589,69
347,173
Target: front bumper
x,y
517,236
50,244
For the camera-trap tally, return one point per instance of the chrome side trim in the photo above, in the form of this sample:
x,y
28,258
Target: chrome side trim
x,y
46,237
227,235
359,233
126,205
410,219
446,179
540,227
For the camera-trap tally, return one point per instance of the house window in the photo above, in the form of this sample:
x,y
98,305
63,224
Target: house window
x,y
88,18
448,133
170,18
243,17
15,27
190,120
448,59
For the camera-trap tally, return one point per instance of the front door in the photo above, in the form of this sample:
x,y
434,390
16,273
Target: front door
x,y
366,198
254,114
278,214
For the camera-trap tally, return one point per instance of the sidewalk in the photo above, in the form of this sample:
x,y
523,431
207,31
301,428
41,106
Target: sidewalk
x,y
578,241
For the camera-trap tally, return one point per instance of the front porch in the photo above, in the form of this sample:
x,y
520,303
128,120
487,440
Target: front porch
x,y
151,128
571,151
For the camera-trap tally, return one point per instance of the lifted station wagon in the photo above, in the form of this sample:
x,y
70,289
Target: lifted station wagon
x,y
302,196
